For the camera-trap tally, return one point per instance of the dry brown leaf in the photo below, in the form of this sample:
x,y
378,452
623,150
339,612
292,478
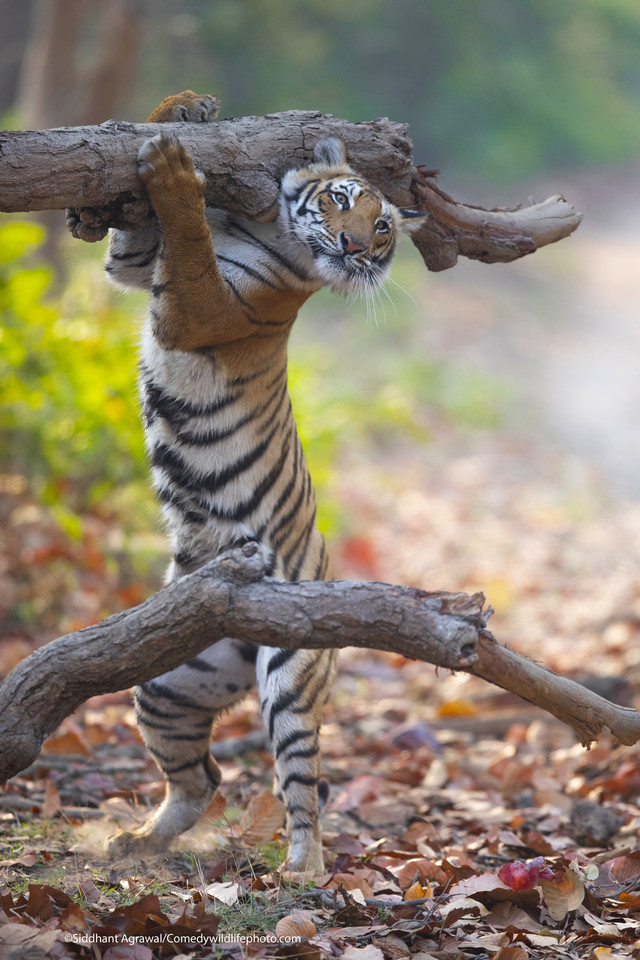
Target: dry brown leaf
x,y
480,884
89,890
511,953
24,860
416,891
70,740
358,791
128,951
298,924
356,880
262,819
226,892
562,897
216,807
625,868
52,803
18,938
363,953
421,869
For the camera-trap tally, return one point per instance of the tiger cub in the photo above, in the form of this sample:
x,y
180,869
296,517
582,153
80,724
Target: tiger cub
x,y
226,458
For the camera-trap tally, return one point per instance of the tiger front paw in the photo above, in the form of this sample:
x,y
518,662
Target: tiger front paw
x,y
167,171
186,107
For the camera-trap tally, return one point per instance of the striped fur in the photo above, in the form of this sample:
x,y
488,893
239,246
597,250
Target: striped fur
x,y
225,455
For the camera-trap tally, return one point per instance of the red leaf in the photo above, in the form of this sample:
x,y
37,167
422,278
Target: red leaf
x,y
523,876
359,553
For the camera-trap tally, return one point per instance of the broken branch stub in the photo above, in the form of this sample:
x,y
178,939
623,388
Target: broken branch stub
x,y
492,236
94,168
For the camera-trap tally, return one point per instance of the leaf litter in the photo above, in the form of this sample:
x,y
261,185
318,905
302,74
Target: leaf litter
x,y
462,823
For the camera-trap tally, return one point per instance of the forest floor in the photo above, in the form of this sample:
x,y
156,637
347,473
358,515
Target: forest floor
x,y
462,822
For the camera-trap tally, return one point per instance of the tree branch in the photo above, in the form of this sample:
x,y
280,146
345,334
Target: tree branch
x,y
580,708
225,598
228,597
244,159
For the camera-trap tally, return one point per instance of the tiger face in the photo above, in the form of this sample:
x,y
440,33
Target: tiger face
x,y
341,225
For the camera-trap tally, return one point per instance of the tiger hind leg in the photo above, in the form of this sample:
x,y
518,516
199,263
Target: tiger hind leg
x,y
175,714
294,686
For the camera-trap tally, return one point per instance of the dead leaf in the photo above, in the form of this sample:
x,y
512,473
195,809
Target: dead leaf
x,y
345,843
52,803
386,812
89,890
73,917
227,892
419,869
216,807
511,953
416,891
464,906
262,819
37,904
24,860
562,897
69,739
357,791
363,953
128,951
480,884
356,880
625,868
18,938
296,925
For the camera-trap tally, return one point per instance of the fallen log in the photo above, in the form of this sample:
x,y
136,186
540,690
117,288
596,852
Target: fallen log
x,y
94,168
230,597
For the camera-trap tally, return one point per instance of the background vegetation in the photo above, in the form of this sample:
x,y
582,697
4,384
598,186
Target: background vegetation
x,y
494,92
477,431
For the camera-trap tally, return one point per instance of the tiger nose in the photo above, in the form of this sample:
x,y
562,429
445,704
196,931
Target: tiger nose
x,y
349,245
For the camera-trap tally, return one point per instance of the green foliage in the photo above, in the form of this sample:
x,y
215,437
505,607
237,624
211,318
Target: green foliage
x,y
67,377
497,88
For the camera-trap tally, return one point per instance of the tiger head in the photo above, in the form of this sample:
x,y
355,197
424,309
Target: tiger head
x,y
344,230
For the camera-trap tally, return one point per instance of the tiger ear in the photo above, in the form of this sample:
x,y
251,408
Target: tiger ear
x,y
330,152
411,220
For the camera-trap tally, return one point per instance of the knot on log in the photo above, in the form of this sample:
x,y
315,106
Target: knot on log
x,y
245,563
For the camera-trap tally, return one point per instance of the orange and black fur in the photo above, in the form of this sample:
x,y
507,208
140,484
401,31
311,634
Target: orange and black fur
x,y
226,458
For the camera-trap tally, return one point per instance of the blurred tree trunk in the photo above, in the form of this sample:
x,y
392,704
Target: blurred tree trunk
x,y
111,77
15,17
48,80
54,92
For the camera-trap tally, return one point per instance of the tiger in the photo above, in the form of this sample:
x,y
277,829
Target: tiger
x,y
226,459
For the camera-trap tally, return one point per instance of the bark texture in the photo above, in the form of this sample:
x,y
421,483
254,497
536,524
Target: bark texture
x,y
244,159
228,597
